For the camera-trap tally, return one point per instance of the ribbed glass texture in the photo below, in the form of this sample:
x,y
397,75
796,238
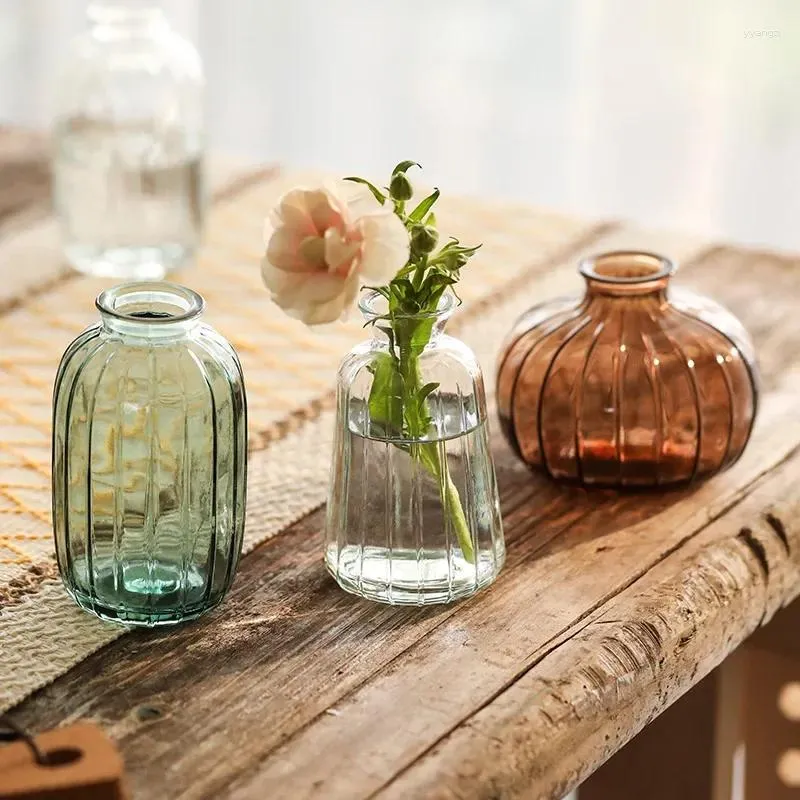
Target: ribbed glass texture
x,y
395,528
128,140
631,385
149,459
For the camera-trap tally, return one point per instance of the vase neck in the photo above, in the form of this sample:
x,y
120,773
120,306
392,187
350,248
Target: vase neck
x,y
627,273
153,311
412,331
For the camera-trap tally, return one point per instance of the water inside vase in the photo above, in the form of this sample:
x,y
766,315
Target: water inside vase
x,y
391,536
130,197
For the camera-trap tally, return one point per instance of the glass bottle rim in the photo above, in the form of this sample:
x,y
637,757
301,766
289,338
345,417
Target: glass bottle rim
x,y
627,267
373,304
150,303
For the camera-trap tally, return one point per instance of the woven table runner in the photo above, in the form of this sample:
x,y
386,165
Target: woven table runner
x,y
528,255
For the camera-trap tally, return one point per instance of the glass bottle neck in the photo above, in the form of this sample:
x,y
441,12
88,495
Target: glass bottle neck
x,y
627,274
150,311
410,332
600,291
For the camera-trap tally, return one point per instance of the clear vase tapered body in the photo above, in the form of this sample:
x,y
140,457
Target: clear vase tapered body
x,y
413,515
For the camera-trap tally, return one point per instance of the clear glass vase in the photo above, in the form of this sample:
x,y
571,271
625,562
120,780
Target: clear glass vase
x,y
149,459
128,137
412,519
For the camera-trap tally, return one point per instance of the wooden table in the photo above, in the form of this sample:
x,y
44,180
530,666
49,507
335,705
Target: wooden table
x,y
610,607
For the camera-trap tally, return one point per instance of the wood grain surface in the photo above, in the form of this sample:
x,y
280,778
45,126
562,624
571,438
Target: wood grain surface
x,y
609,608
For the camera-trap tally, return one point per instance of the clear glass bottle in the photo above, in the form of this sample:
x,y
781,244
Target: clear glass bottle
x,y
413,520
149,459
128,139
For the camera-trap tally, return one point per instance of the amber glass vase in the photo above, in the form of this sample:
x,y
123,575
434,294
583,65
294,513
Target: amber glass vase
x,y
635,384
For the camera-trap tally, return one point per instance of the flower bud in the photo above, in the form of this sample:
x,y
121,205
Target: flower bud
x,y
423,238
454,261
400,187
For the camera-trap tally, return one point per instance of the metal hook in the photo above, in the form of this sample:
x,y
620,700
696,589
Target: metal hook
x,y
15,733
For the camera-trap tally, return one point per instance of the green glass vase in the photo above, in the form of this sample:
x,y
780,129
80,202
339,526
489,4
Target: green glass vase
x,y
149,459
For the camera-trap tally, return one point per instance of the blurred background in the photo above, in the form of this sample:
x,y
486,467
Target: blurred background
x,y
675,113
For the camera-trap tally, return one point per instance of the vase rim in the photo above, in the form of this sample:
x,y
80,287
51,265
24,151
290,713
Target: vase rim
x,y
370,301
627,267
150,303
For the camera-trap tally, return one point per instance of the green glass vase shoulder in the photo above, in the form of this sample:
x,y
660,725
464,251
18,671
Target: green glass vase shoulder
x,y
149,459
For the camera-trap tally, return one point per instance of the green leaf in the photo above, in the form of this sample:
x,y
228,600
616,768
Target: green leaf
x,y
404,166
389,331
424,207
423,415
386,395
422,334
422,394
377,193
403,296
449,247
431,220
381,290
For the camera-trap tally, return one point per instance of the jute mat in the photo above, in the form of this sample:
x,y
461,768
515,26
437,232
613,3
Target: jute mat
x,y
528,255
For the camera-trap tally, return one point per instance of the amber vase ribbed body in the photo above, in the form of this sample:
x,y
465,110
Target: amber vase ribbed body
x,y
635,384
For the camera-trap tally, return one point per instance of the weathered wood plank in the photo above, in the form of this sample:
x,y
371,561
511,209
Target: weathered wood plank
x,y
592,692
671,758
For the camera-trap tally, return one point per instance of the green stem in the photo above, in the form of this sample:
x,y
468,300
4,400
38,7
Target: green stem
x,y
399,405
417,424
448,491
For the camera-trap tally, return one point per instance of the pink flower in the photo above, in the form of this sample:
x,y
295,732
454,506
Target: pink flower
x,y
323,243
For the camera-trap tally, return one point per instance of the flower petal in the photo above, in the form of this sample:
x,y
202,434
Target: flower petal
x,y
275,279
292,212
319,248
312,251
359,199
325,209
335,309
283,251
340,254
293,290
385,246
